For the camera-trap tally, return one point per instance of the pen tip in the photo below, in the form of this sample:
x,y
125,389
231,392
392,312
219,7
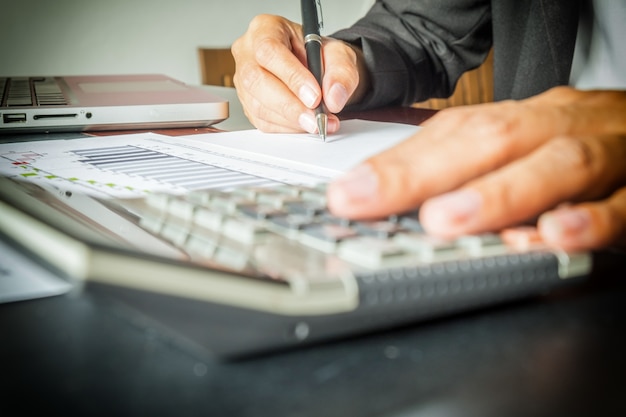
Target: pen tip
x,y
322,125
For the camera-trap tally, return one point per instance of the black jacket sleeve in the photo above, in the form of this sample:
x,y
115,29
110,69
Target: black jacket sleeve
x,y
418,49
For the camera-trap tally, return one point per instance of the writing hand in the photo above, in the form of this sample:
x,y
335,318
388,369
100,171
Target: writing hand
x,y
559,157
276,89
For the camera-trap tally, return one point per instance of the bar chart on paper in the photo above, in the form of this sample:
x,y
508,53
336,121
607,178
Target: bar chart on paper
x,y
133,165
137,162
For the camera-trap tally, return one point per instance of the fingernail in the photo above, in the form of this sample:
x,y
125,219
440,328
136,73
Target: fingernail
x,y
361,183
308,96
337,97
565,223
451,209
307,122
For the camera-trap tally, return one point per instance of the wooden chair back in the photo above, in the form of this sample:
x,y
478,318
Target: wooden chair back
x,y
474,87
217,66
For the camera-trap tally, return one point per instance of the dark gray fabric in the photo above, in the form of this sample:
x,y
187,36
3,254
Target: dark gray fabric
x,y
418,49
534,45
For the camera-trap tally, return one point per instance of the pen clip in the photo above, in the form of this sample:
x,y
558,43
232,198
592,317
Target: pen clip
x,y
320,18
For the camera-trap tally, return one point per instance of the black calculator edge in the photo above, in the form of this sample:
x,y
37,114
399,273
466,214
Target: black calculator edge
x,y
396,298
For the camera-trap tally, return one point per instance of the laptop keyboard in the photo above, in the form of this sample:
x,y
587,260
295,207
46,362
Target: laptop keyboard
x,y
27,92
252,228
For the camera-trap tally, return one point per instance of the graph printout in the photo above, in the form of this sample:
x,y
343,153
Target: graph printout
x,y
132,165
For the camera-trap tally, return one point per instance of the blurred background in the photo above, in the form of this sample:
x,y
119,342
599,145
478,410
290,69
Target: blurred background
x,y
70,37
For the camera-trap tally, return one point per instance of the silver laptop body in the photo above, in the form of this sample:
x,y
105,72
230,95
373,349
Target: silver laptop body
x,y
111,102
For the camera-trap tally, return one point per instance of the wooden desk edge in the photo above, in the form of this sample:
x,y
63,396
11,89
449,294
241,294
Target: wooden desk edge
x,y
408,115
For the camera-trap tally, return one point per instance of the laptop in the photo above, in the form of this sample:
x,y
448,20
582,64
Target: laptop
x,y
107,102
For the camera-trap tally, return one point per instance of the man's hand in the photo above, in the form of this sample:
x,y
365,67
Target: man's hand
x,y
559,157
275,87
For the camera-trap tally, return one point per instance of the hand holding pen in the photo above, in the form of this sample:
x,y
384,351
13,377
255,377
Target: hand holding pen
x,y
311,23
277,90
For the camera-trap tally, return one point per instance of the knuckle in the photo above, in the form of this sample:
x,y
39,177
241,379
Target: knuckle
x,y
488,120
256,108
266,50
270,54
242,45
293,79
450,116
496,125
261,20
248,77
341,49
348,75
572,152
492,124
286,109
236,47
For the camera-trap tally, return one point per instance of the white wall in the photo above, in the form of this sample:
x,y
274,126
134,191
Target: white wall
x,y
68,37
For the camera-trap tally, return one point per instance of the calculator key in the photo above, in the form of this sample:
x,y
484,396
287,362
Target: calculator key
x,y
412,223
261,211
380,229
181,209
158,201
485,244
201,245
303,207
326,236
227,203
232,257
152,223
429,248
277,200
522,238
375,253
209,219
329,218
175,232
244,230
293,222
315,196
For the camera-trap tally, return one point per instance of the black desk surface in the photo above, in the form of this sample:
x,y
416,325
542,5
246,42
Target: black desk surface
x,y
563,355
559,355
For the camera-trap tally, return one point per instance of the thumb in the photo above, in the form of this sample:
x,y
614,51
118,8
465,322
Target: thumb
x,y
344,73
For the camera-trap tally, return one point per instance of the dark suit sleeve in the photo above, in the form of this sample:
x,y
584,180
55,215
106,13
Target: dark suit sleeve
x,y
417,49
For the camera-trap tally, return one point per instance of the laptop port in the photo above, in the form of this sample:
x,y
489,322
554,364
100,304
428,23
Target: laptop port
x,y
55,116
14,117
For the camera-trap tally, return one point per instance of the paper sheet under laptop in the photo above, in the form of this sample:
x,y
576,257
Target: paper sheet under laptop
x,y
22,279
131,165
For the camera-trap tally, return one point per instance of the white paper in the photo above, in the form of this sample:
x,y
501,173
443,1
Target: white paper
x,y
357,140
22,279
